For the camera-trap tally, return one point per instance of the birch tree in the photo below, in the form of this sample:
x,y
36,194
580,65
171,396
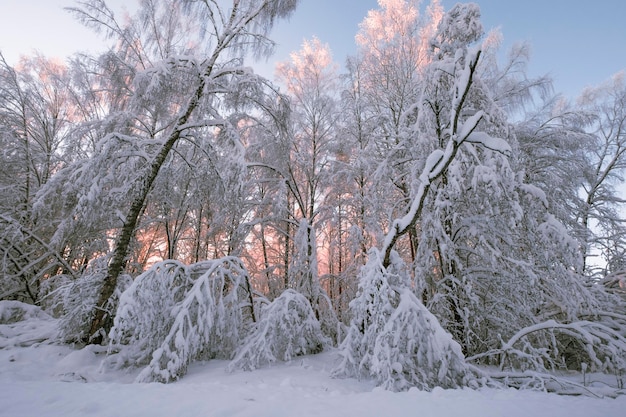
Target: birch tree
x,y
384,302
310,78
155,45
393,52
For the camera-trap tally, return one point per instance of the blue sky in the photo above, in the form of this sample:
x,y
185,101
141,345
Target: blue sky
x,y
579,43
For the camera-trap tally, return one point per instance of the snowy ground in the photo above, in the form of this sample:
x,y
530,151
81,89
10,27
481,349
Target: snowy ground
x,y
47,380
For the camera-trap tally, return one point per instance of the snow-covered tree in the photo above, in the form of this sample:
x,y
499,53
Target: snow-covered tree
x,y
291,151
36,116
310,78
492,258
384,301
388,73
173,314
179,93
476,220
267,144
287,328
393,338
606,162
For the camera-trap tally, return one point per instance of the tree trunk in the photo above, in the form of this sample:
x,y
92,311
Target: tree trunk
x,y
102,318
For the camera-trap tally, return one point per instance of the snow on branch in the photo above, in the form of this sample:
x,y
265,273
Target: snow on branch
x,y
11,227
436,165
526,360
174,314
439,160
603,346
468,127
288,328
489,142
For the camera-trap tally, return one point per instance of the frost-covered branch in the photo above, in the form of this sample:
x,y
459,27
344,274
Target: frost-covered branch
x,y
173,314
437,163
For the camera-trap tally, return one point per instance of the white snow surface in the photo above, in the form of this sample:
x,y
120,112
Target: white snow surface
x,y
47,380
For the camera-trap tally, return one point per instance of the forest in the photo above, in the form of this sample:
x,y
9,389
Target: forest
x,y
426,208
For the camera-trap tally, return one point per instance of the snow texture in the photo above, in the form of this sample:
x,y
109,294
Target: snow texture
x,y
24,324
432,161
50,380
16,311
465,132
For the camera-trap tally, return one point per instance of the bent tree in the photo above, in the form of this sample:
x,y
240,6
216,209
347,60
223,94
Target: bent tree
x,y
227,33
392,336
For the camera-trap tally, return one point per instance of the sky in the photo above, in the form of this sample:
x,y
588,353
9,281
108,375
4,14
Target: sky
x,y
578,43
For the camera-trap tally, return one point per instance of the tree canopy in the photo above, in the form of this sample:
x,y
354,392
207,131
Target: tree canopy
x,y
428,209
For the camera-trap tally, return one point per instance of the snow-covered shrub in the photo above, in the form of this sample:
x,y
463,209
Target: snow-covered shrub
x,y
370,310
597,345
413,350
12,311
80,297
174,314
393,338
287,328
145,316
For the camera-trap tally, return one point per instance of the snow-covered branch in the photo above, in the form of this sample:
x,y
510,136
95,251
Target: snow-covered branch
x,y
603,348
173,314
489,142
438,161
